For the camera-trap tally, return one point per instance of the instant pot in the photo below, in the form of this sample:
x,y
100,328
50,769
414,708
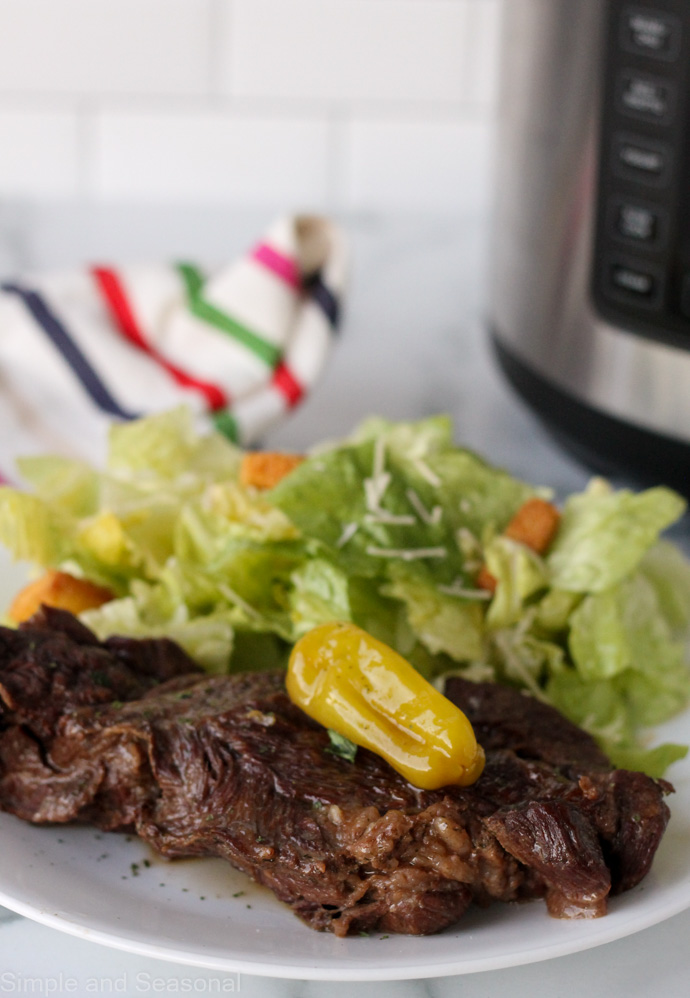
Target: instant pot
x,y
590,309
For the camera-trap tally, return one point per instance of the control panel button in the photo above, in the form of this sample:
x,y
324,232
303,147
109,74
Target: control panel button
x,y
649,32
632,221
646,97
641,159
634,284
637,282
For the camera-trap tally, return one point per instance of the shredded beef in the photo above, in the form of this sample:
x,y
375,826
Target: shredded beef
x,y
130,735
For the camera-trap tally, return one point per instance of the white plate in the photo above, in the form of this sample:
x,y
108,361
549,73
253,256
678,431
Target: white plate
x,y
113,889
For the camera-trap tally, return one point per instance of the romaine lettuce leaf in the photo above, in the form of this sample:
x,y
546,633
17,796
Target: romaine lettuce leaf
x,y
622,633
441,622
521,658
394,492
208,639
519,573
167,445
318,593
652,761
32,529
388,528
69,485
668,571
605,533
600,707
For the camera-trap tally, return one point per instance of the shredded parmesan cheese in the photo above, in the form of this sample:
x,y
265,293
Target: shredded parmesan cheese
x,y
349,531
379,457
233,597
463,592
406,554
471,549
425,471
395,519
374,491
430,517
375,488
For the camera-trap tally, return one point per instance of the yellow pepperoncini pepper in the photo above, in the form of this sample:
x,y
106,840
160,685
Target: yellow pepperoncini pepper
x,y
348,681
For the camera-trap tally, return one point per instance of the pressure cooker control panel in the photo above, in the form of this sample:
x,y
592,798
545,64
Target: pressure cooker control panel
x,y
641,276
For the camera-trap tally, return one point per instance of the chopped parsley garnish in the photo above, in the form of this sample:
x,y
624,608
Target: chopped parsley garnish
x,y
341,746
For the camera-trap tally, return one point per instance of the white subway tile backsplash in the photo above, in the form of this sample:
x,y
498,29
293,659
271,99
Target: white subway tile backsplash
x,y
482,66
420,165
38,153
347,50
94,47
328,104
212,156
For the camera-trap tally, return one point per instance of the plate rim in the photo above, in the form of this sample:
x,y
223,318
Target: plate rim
x,y
357,973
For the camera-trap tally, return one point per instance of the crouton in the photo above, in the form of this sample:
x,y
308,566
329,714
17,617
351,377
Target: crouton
x,y
485,580
60,590
534,525
264,469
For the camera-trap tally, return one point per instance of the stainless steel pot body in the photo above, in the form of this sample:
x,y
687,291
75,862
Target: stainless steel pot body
x,y
544,316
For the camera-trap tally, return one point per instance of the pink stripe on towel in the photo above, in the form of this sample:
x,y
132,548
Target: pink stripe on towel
x,y
282,266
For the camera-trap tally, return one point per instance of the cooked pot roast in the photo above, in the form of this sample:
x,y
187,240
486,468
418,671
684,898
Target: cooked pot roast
x,y
130,735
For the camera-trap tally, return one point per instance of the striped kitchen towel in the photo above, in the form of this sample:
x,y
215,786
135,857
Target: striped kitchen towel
x,y
241,346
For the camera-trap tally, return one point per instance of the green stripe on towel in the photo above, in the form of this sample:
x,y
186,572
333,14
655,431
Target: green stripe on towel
x,y
226,424
209,313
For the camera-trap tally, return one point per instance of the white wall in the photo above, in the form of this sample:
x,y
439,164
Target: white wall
x,y
352,105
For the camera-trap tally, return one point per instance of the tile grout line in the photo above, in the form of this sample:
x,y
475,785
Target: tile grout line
x,y
395,108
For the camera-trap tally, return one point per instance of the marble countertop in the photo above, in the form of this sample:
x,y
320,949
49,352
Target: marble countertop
x,y
413,344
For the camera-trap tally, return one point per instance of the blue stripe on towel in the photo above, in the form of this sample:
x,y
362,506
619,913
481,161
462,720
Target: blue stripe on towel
x,y
68,349
325,298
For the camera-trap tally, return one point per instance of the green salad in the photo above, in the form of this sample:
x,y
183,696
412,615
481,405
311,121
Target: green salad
x,y
389,529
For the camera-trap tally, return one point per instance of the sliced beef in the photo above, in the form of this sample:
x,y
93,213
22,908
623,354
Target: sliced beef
x,y
54,663
132,736
50,667
556,840
626,808
503,717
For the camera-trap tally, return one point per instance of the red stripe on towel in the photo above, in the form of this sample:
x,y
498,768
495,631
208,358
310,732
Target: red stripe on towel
x,y
282,266
123,316
287,384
